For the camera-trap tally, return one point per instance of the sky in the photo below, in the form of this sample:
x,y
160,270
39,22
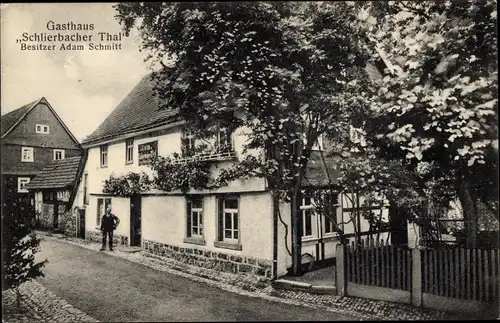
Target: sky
x,y
83,86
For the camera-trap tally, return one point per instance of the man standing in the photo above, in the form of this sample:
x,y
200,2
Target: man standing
x,y
109,222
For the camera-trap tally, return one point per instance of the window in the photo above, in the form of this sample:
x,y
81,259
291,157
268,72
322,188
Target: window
x,y
187,143
48,196
129,151
85,189
41,128
104,156
102,206
224,141
21,183
331,203
27,154
195,217
58,154
229,220
307,211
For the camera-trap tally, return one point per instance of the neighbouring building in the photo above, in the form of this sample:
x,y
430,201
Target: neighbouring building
x,y
232,228
32,136
54,191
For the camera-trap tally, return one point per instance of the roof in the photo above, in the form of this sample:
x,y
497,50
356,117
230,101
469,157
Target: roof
x,y
8,120
319,173
56,174
139,110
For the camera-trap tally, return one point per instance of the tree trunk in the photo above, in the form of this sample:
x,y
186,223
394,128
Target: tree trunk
x,y
470,214
18,298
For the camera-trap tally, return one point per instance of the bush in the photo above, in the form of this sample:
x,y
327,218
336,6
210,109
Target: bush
x,y
19,243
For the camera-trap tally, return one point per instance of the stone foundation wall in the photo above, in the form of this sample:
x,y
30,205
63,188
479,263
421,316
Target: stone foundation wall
x,y
96,236
211,259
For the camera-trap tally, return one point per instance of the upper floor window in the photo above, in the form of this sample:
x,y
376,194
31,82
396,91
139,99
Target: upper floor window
x,y
58,154
129,151
41,128
27,154
187,143
21,184
104,156
224,140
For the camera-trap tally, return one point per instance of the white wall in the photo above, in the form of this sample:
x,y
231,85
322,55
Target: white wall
x,y
169,141
120,206
164,221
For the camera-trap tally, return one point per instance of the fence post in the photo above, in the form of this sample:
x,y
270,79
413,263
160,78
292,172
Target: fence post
x,y
416,281
498,280
340,264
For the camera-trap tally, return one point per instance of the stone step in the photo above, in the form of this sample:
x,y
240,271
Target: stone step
x,y
304,287
130,249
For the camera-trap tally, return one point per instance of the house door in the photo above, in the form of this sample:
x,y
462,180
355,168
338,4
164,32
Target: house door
x,y
135,220
81,223
55,219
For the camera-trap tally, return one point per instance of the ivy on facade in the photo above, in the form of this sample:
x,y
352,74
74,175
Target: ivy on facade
x,y
172,174
127,185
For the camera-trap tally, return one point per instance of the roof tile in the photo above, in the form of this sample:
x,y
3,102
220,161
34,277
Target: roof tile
x,y
56,174
9,119
140,108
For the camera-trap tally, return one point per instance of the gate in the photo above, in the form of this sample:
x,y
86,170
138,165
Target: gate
x,y
376,270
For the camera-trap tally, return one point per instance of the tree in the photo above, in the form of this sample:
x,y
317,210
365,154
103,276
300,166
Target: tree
x,y
284,68
19,242
437,103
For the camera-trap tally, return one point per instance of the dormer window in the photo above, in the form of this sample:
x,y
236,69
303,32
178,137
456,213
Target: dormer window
x,y
41,128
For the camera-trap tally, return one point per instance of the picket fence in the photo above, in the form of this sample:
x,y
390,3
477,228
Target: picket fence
x,y
455,277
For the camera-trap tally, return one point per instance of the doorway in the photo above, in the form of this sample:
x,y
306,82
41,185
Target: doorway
x,y
135,220
55,219
81,223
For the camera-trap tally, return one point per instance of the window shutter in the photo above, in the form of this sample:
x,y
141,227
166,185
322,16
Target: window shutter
x,y
188,219
220,218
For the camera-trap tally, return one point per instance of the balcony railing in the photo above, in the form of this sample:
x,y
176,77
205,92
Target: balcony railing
x,y
221,155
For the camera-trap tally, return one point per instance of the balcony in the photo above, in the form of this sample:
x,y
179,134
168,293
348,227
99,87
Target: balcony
x,y
222,154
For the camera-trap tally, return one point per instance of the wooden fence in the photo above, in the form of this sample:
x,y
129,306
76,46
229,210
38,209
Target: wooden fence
x,y
455,279
374,263
469,274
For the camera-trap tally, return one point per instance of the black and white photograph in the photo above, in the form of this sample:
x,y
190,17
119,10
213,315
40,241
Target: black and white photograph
x,y
249,161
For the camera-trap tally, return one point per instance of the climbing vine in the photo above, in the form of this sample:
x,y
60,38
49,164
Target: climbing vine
x,y
181,174
127,185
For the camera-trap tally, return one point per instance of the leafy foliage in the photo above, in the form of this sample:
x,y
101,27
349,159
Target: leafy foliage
x,y
176,174
436,106
19,241
126,185
267,61
285,68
